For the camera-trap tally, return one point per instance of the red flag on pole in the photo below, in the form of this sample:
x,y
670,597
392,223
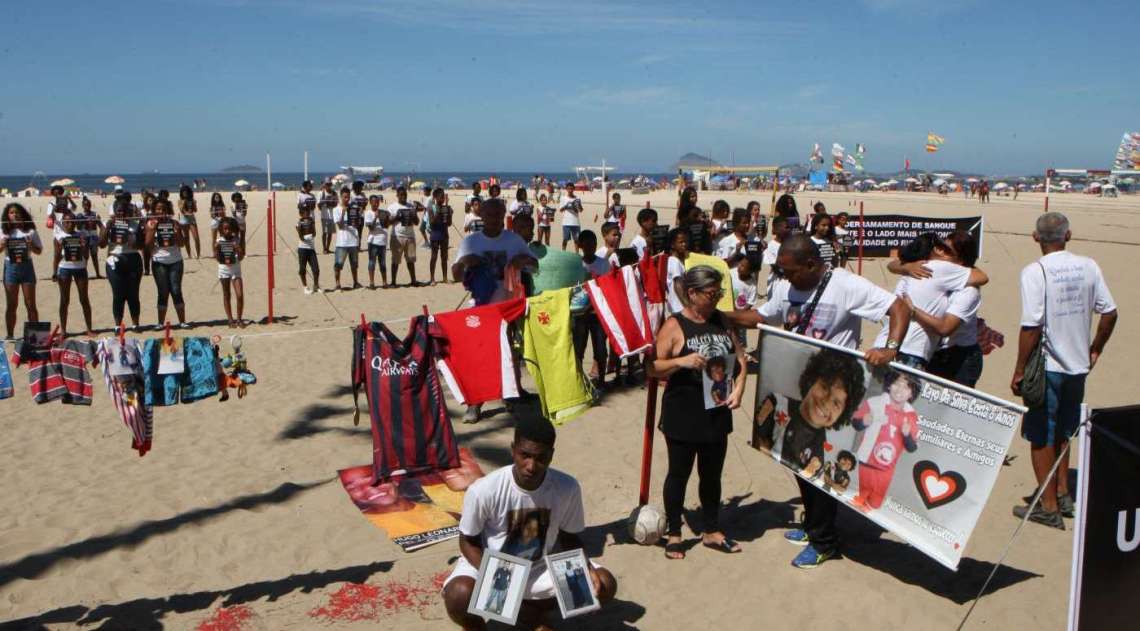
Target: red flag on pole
x,y
906,164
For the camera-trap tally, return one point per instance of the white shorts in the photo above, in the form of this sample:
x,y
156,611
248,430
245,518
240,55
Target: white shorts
x,y
402,247
229,271
539,585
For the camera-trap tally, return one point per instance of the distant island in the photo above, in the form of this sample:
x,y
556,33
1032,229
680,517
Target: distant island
x,y
693,159
242,168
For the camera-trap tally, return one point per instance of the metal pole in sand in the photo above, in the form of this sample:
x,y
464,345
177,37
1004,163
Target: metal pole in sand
x,y
271,233
860,270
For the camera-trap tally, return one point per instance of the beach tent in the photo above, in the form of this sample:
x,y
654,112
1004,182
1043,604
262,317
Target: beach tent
x,y
64,182
29,192
1001,186
114,179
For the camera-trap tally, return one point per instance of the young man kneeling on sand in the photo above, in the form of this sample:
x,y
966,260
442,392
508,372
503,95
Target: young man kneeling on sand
x,y
527,510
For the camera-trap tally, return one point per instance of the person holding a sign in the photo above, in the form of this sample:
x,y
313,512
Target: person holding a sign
x,y
525,509
827,305
307,239
697,426
229,251
440,218
403,241
19,241
1059,293
122,238
347,239
89,227
571,207
188,209
165,242
71,265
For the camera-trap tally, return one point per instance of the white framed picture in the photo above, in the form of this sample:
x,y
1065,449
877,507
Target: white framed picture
x,y
500,588
573,586
717,379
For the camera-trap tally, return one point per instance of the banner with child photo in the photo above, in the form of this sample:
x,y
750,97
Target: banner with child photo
x,y
916,454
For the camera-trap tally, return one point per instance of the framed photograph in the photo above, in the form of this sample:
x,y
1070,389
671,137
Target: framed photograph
x,y
573,587
717,379
37,341
500,587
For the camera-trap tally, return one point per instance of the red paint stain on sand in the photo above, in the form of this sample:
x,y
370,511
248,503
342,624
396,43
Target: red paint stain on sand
x,y
362,601
227,619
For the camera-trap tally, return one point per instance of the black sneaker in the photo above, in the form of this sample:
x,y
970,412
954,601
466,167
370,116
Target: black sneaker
x,y
1065,504
1040,516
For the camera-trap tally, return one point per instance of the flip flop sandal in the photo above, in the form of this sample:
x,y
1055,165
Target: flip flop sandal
x,y
675,548
728,546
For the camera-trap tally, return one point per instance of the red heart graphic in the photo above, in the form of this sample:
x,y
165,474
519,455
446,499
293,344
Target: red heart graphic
x,y
936,487
826,446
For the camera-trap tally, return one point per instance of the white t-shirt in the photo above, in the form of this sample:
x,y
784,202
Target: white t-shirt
x,y
639,244
770,252
964,305
847,299
520,208
22,234
398,229
346,236
599,267
1075,290
377,234
931,295
497,251
675,268
306,198
472,223
497,509
327,202
545,215
745,290
726,248
572,207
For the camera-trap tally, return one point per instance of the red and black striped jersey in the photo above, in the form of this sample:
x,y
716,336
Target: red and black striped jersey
x,y
411,431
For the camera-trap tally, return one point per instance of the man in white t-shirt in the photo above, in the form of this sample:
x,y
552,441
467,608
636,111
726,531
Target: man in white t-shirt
x,y
403,242
347,237
1059,293
527,510
780,231
844,301
571,209
325,205
484,260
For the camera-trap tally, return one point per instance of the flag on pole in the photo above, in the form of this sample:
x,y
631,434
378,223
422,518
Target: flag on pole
x,y
837,152
933,142
906,164
816,154
858,161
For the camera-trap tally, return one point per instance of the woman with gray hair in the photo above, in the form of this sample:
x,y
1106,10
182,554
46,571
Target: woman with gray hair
x,y
705,365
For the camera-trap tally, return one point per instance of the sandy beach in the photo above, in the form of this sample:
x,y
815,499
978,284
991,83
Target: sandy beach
x,y
238,505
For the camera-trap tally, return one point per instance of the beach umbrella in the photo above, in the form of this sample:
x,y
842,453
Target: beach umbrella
x,y
241,183
939,182
1095,185
455,181
418,184
1001,186
114,179
971,179
64,182
277,185
912,180
339,177
1129,180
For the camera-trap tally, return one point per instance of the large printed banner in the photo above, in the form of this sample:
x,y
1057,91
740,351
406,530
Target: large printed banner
x,y
883,233
414,510
1106,552
916,454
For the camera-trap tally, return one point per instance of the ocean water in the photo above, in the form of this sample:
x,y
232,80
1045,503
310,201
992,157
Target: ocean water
x,y
291,180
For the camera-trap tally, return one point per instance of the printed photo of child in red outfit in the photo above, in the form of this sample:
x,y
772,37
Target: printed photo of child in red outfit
x,y
887,424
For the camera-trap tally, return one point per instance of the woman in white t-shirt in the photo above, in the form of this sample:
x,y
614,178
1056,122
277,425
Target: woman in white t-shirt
x,y
71,265
544,219
959,356
678,241
571,207
165,243
19,241
823,236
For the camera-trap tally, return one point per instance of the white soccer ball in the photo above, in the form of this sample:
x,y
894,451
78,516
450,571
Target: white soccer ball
x,y
646,525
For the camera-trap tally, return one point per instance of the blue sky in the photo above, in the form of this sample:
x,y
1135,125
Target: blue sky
x,y
514,85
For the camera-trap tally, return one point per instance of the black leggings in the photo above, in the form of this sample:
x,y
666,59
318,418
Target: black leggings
x,y
125,278
710,464
587,324
168,282
820,509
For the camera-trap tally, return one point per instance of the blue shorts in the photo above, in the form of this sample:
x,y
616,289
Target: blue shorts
x,y
342,253
19,273
438,234
1059,417
570,233
66,273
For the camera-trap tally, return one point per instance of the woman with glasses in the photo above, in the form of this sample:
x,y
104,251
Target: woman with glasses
x,y
705,365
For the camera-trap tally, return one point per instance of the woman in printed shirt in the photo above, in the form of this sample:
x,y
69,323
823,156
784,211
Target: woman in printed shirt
x,y
188,209
122,237
71,253
165,241
18,242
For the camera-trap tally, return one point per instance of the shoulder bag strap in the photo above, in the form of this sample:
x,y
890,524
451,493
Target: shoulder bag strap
x,y
805,316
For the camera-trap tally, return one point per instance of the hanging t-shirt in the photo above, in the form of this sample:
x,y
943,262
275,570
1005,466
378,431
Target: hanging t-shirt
x,y
573,209
477,365
63,376
929,295
123,373
411,431
549,351
619,303
510,519
846,299
1076,289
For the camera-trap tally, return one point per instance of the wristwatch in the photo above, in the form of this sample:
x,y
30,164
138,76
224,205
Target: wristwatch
x,y
892,345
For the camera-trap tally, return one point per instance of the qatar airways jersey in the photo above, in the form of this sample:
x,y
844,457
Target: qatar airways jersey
x,y
477,364
410,428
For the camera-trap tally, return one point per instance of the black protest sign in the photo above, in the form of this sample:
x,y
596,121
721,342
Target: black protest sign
x,y
884,233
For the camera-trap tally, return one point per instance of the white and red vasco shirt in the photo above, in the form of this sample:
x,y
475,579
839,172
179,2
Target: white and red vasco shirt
x,y
477,365
619,302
